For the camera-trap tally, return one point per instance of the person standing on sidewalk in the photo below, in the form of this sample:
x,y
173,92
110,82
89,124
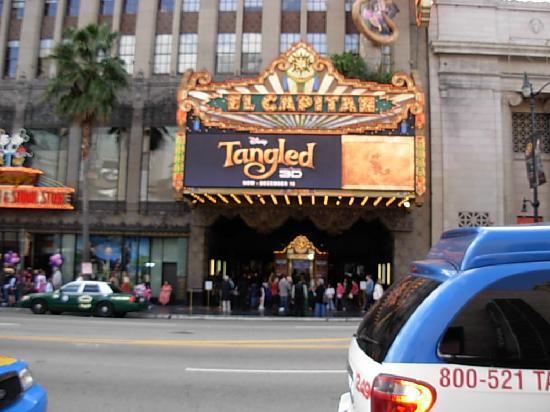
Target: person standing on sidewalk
x,y
284,294
227,292
369,290
319,299
299,293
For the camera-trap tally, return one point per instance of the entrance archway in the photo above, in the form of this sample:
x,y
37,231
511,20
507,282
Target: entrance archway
x,y
235,248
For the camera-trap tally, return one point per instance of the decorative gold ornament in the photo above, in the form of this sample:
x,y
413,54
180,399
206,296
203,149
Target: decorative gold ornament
x,y
374,19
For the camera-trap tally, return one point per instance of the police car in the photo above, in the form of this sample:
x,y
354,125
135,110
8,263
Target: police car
x,y
467,330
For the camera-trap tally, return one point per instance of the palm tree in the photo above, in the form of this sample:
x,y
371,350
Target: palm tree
x,y
85,91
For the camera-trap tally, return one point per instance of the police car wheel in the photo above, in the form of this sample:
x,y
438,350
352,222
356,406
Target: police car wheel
x,y
105,309
39,307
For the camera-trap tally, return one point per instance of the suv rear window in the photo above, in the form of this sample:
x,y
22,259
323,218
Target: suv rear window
x,y
386,318
505,325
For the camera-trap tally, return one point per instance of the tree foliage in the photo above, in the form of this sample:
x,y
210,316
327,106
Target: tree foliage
x,y
88,78
354,67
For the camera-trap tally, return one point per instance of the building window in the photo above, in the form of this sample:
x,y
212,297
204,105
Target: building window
x,y
187,57
108,164
288,39
521,131
319,42
252,52
50,8
49,152
349,5
106,7
1,7
159,150
131,6
253,4
291,5
72,7
352,43
12,53
18,7
316,5
45,50
126,52
163,52
166,6
228,5
191,5
225,53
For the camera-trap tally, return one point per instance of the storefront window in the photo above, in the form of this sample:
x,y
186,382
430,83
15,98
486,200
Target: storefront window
x,y
158,154
108,164
49,149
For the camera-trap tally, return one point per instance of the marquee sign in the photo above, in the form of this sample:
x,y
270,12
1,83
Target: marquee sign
x,y
300,127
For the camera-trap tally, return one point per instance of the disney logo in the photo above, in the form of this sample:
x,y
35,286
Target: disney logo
x,y
257,141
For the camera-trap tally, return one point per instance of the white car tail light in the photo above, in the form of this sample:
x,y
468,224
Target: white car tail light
x,y
396,394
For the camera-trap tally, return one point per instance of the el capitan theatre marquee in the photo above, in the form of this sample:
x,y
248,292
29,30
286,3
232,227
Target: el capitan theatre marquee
x,y
300,129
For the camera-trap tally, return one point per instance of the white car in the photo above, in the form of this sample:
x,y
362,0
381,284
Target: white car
x,y
467,330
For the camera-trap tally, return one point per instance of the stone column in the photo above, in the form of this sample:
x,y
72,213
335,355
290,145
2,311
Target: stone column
x,y
30,40
239,36
145,38
73,157
208,28
57,31
271,29
336,27
176,26
197,259
22,88
4,27
88,12
303,20
135,148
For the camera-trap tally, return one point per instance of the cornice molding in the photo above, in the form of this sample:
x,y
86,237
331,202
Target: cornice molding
x,y
489,49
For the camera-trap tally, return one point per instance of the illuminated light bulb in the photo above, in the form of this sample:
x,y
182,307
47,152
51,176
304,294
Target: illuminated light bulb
x,y
364,201
236,199
390,201
287,200
351,200
262,200
325,201
274,199
377,201
300,200
249,199
313,200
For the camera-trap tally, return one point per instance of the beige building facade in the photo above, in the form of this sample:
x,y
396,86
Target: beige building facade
x,y
138,228
480,122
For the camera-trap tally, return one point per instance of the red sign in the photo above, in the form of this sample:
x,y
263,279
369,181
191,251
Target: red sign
x,y
525,220
29,197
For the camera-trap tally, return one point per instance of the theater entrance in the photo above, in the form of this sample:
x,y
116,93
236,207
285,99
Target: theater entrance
x,y
236,249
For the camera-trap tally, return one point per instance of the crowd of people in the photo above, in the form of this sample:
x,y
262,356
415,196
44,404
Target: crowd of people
x,y
17,283
296,295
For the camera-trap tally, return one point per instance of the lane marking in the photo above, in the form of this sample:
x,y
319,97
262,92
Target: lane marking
x,y
310,343
10,324
269,371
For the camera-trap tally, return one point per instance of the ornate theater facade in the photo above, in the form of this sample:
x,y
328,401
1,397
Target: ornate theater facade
x,y
301,151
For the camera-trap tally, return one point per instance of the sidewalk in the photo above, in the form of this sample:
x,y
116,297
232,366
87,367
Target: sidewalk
x,y
203,312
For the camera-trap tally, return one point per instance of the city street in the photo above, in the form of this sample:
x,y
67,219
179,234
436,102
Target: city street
x,y
90,364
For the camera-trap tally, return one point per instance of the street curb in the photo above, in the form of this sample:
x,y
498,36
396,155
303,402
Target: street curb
x,y
178,316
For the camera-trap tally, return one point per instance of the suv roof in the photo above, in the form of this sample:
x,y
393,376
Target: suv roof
x,y
468,248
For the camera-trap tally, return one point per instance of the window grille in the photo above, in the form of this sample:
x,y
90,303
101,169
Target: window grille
x,y
191,5
166,6
12,53
521,131
291,5
187,57
228,5
253,4
352,43
252,52
163,52
474,219
106,7
18,6
319,42
72,7
126,52
288,39
316,5
44,51
50,8
225,56
131,6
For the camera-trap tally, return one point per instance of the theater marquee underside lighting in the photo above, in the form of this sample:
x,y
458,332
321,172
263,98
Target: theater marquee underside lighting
x,y
301,135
